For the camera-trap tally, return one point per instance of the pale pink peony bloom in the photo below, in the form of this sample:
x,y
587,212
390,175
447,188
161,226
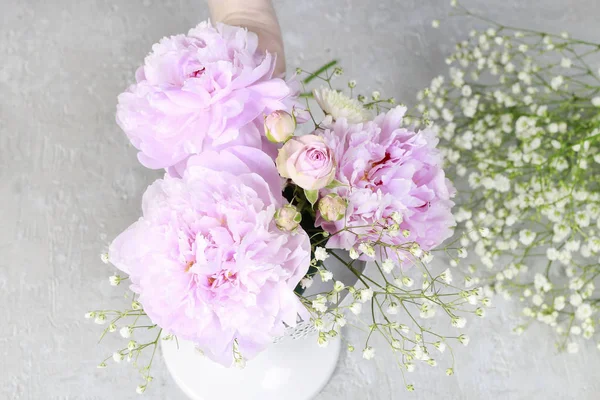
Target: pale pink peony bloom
x,y
307,161
207,259
207,90
386,169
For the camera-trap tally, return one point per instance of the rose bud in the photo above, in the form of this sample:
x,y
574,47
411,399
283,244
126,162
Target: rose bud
x,y
287,218
279,126
307,161
332,207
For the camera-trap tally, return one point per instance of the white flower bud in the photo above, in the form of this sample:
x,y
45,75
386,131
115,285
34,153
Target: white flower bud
x,y
115,280
279,126
287,218
118,357
368,353
332,207
126,332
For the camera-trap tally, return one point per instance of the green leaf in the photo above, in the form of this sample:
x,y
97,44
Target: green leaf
x,y
334,184
320,71
311,196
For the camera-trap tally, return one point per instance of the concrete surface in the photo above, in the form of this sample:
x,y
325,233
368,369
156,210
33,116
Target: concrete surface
x,y
69,181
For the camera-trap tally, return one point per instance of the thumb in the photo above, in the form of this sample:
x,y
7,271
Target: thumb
x,y
257,16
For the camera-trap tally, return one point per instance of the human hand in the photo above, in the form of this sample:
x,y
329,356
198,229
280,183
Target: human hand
x,y
259,17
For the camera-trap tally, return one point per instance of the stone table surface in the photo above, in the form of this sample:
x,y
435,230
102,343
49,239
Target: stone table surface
x,y
69,182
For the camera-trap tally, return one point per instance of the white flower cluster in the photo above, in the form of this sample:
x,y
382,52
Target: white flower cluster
x,y
521,132
129,320
393,305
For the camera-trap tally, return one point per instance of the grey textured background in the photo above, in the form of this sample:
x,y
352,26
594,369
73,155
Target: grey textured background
x,y
69,181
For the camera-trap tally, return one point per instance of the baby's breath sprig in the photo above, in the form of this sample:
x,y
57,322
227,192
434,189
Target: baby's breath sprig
x,y
393,305
519,119
131,323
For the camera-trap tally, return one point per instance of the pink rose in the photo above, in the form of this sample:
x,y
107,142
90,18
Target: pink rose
x,y
307,161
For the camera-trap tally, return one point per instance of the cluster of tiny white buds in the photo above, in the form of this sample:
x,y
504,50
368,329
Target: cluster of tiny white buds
x,y
368,353
104,258
321,254
115,280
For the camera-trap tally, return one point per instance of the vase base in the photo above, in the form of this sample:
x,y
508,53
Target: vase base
x,y
294,369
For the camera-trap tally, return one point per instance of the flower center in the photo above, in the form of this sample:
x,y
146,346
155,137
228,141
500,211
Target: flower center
x,y
197,73
220,279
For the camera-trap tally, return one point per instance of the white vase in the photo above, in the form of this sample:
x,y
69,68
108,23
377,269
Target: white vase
x,y
293,368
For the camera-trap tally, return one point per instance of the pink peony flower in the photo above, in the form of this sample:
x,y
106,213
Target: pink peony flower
x,y
387,169
307,161
207,259
206,90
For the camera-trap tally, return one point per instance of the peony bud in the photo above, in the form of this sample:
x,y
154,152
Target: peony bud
x,y
279,126
332,207
288,218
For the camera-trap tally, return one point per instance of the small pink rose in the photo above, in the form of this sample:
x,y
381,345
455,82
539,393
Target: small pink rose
x,y
307,161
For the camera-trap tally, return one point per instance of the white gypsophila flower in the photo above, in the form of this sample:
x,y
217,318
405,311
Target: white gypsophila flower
x,y
559,303
104,258
355,308
388,266
392,309
466,91
368,353
596,101
140,389
118,357
427,310
464,339
338,286
321,254
441,346
526,237
584,311
340,320
537,300
126,332
575,299
326,276
322,340
408,282
566,62
459,322
435,23
338,105
365,295
557,82
367,249
114,280
305,283
100,319
320,303
446,276
354,254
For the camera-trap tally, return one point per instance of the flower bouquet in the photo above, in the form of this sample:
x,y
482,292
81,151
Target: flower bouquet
x,y
520,124
250,212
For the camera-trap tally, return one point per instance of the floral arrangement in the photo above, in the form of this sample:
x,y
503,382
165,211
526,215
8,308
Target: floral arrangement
x,y
519,120
249,211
